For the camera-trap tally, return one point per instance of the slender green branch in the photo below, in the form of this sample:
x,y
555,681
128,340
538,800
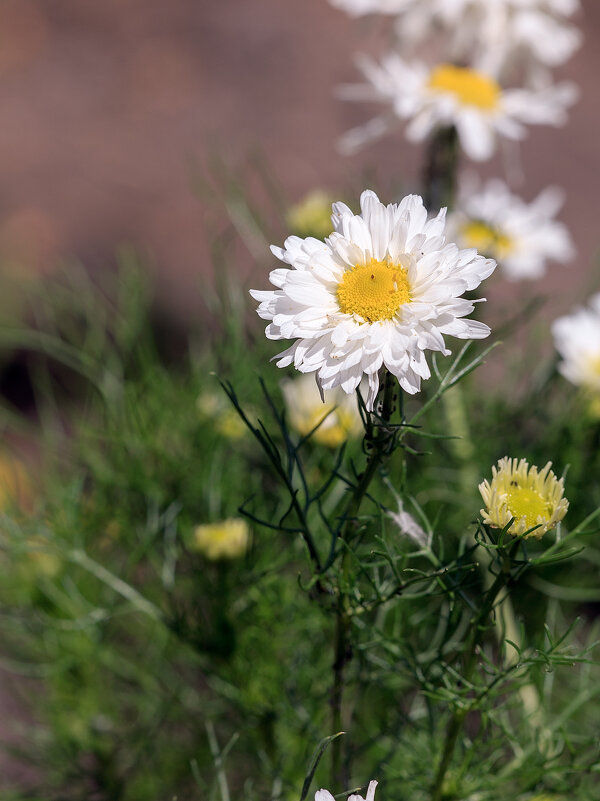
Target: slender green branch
x,y
478,626
117,584
380,446
379,450
439,178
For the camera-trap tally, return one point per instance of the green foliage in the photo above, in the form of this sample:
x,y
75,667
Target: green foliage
x,y
160,672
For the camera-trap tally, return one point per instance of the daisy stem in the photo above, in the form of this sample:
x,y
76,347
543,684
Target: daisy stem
x,y
439,178
478,627
379,450
342,645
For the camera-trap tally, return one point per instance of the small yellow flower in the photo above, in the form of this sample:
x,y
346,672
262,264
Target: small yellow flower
x,y
529,496
226,420
227,539
338,414
312,215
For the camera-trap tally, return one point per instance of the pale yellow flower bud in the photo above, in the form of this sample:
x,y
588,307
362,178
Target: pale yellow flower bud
x,y
529,496
226,539
312,215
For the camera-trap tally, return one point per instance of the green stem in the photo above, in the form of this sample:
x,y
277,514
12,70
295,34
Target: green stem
x,y
457,720
342,645
439,177
379,451
342,655
79,557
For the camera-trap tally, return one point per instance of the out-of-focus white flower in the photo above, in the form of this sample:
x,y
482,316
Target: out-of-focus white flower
x,y
491,33
521,236
494,33
336,413
445,95
325,795
358,8
527,496
382,289
577,339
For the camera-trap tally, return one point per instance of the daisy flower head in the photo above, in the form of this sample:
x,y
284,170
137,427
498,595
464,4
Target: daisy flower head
x,y
496,34
531,498
359,8
325,795
382,289
521,236
336,414
577,339
445,95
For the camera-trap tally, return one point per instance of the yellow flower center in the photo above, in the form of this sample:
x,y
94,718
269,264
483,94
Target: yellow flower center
x,y
374,290
527,503
471,88
487,240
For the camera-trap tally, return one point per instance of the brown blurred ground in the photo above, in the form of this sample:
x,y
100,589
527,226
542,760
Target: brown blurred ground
x,y
105,107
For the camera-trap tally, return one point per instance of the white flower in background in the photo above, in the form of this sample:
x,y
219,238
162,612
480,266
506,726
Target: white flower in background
x,y
521,236
384,287
325,795
577,339
492,33
427,98
336,413
357,8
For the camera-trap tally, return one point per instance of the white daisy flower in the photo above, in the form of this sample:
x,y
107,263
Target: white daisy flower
x,y
491,32
427,98
359,8
521,236
325,795
577,339
497,30
384,287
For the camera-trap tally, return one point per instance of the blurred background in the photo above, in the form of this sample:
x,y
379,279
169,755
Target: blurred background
x,y
112,112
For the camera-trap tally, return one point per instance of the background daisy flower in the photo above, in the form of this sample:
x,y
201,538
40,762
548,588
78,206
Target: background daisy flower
x,y
382,289
521,236
577,339
358,8
447,95
492,33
